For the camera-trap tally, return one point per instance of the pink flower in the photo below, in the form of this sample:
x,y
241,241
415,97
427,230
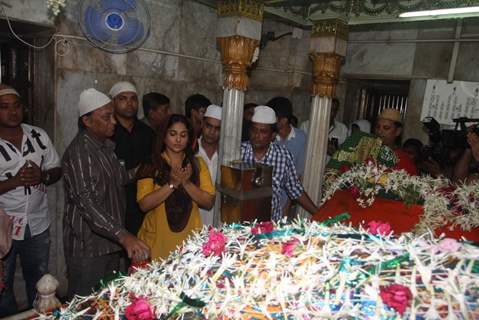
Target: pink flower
x,y
216,243
263,227
379,227
447,245
289,246
140,309
396,296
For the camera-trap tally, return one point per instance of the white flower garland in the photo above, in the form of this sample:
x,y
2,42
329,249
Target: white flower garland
x,y
466,198
459,207
329,267
55,6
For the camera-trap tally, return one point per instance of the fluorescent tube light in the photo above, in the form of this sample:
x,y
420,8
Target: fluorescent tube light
x,y
439,12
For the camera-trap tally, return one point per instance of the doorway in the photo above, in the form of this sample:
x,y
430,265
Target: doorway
x,y
31,73
17,71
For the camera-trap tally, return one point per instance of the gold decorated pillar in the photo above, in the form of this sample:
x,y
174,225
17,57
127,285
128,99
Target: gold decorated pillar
x,y
328,47
238,36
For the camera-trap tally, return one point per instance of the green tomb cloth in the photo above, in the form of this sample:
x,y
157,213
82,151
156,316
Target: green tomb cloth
x,y
360,147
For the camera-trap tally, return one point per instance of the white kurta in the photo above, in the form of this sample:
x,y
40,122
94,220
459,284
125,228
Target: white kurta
x,y
207,215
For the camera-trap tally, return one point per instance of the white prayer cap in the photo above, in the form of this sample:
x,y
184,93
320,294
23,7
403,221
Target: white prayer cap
x,y
264,114
4,90
90,100
213,111
122,86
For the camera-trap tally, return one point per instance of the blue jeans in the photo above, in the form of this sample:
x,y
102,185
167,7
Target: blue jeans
x,y
33,252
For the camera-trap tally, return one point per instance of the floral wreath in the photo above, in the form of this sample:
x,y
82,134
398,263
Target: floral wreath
x,y
55,6
443,202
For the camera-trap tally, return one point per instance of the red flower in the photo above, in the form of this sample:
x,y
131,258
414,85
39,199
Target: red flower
x,y
289,246
140,309
135,265
379,227
355,192
216,243
396,296
344,168
263,227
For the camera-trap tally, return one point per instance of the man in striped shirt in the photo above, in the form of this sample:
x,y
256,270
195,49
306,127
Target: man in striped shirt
x,y
95,200
262,149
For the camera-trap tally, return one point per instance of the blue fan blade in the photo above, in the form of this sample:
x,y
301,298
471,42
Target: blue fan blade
x,y
95,26
120,5
132,31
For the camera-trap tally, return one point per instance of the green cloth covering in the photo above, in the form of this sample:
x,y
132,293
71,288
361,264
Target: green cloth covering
x,y
360,147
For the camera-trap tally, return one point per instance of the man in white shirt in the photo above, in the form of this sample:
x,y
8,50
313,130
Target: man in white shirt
x,y
208,150
28,163
338,132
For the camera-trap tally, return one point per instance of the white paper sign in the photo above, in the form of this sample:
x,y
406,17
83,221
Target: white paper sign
x,y
446,101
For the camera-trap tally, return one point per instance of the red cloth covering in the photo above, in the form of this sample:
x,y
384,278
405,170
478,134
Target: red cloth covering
x,y
472,235
401,217
405,162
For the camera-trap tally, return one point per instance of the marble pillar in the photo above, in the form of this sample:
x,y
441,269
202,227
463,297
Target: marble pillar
x,y
328,47
238,36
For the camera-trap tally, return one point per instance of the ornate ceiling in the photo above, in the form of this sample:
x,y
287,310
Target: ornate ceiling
x,y
304,12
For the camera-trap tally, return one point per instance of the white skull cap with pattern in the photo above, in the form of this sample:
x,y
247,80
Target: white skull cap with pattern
x,y
213,111
122,86
264,114
90,100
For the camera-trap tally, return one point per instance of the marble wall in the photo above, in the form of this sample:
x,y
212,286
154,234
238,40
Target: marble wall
x,y
189,62
175,25
404,51
32,11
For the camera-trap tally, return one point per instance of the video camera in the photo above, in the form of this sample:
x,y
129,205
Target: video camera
x,y
441,142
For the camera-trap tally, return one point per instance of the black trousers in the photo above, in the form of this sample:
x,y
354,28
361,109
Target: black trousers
x,y
84,274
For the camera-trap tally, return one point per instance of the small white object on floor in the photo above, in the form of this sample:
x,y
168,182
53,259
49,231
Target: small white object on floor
x,y
46,300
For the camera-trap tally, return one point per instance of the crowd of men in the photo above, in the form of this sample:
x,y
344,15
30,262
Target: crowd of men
x,y
99,169
101,216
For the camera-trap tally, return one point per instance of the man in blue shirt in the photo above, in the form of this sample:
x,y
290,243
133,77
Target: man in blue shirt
x,y
262,149
292,138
